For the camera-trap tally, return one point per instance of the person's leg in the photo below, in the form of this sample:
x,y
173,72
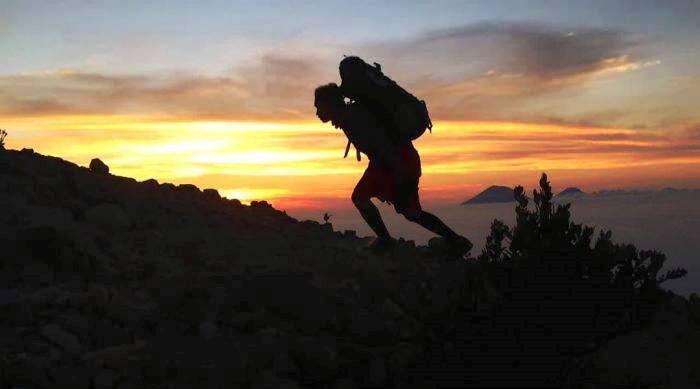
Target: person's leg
x,y
408,204
430,222
361,199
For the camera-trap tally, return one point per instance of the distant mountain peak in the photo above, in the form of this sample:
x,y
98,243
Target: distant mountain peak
x,y
493,194
571,191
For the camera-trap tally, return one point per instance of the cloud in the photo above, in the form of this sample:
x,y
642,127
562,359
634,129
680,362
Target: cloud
x,y
692,133
483,71
495,70
538,50
274,87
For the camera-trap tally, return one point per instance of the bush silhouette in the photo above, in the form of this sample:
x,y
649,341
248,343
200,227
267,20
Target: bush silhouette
x,y
3,135
550,264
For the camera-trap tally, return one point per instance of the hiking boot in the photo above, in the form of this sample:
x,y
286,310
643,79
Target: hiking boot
x,y
458,246
381,245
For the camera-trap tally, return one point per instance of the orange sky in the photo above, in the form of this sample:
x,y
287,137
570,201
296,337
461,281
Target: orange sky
x,y
600,95
299,164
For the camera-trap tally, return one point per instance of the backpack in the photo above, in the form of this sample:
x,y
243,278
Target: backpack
x,y
405,116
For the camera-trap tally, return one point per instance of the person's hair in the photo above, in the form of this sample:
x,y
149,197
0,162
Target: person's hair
x,y
329,93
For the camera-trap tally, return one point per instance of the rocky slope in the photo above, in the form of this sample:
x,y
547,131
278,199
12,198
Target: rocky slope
x,y
106,282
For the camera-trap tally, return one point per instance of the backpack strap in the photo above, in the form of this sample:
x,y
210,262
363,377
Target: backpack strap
x,y
427,116
347,149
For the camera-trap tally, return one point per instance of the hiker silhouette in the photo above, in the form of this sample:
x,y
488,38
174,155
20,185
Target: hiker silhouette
x,y
393,172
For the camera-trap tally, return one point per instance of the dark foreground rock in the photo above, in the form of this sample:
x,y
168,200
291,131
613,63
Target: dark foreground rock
x,y
106,282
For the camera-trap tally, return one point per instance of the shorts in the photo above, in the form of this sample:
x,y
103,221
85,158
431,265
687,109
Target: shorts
x,y
382,182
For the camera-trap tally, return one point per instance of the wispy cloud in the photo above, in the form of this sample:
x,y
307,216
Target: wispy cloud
x,y
273,88
496,70
523,48
477,71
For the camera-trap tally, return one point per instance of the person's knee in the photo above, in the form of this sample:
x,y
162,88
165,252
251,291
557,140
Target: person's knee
x,y
361,201
411,214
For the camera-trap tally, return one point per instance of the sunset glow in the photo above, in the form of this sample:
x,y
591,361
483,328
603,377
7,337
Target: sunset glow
x,y
598,96
301,165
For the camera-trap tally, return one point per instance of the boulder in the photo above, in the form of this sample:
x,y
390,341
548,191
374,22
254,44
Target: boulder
x,y
188,188
284,366
116,357
99,167
211,194
262,350
150,183
267,380
71,377
9,298
377,375
208,329
66,341
316,358
391,310
105,379
345,383
694,308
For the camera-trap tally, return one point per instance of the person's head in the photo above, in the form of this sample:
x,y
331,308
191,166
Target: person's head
x,y
329,102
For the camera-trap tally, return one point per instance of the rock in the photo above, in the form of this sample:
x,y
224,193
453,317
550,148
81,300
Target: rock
x,y
63,339
262,349
694,308
150,183
108,334
43,242
211,194
409,297
401,359
131,378
71,377
327,227
438,244
369,328
97,297
208,329
99,167
188,188
267,380
377,372
284,366
315,357
391,310
117,357
77,324
260,204
240,320
105,379
345,383
109,217
9,297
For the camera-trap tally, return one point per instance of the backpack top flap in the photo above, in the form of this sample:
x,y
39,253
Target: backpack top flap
x,y
404,116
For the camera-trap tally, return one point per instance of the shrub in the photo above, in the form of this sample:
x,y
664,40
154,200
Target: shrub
x,y
555,262
3,135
